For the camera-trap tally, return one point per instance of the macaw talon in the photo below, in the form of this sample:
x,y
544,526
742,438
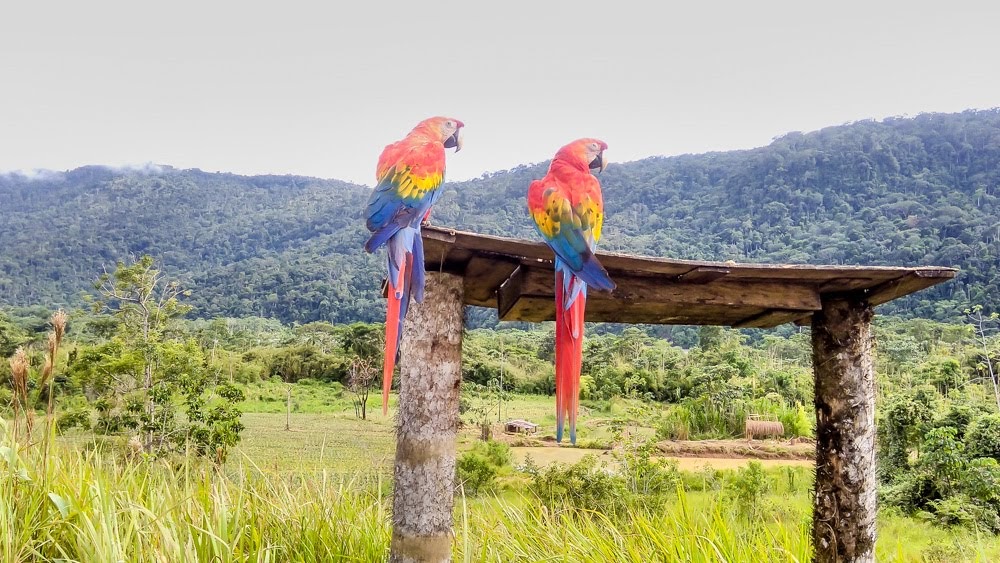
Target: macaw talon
x,y
425,223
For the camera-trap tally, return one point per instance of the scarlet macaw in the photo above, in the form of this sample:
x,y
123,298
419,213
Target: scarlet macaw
x,y
409,176
569,211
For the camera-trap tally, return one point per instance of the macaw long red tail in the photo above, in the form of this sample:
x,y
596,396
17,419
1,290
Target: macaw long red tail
x,y
571,300
406,278
393,330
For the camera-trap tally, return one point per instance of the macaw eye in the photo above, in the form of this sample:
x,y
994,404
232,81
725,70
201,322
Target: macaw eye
x,y
449,124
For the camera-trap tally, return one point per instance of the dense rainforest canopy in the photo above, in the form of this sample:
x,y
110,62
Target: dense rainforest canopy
x,y
906,191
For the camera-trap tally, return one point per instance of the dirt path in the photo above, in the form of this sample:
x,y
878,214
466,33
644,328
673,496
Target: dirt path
x,y
739,449
692,455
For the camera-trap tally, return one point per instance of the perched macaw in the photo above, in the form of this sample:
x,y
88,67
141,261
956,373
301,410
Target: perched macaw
x,y
568,211
409,176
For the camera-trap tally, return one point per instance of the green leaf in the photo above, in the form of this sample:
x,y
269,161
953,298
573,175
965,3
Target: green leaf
x,y
61,504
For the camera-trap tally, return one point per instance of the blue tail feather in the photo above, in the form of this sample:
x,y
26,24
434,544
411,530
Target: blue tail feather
x,y
404,305
380,237
595,275
417,272
399,246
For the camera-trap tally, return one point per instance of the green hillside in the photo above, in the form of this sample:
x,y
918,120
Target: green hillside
x,y
903,191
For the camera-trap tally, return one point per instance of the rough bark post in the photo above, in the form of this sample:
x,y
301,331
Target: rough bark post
x,y
427,423
845,502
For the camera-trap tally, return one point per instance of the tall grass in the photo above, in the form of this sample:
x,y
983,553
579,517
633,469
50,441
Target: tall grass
x,y
686,530
92,506
703,418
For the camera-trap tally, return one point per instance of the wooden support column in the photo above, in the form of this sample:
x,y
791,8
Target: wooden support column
x,y
427,423
845,502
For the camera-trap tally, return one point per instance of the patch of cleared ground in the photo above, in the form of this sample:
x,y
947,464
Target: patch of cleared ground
x,y
548,455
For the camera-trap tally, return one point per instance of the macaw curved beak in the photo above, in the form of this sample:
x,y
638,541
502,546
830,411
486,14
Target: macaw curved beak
x,y
455,141
599,163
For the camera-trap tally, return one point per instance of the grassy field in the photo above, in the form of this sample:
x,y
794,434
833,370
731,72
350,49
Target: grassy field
x,y
320,492
89,507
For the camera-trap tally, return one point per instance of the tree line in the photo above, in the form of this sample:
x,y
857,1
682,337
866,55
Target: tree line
x,y
904,191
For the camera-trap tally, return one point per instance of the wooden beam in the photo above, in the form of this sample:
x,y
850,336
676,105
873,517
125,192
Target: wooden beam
x,y
624,263
483,276
904,285
844,505
704,274
836,285
661,290
510,292
646,289
430,376
771,318
539,309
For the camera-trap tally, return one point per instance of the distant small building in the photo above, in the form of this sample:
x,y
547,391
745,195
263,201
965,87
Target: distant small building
x,y
520,427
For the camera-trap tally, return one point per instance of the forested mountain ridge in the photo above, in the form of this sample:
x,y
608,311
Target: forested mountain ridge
x,y
906,191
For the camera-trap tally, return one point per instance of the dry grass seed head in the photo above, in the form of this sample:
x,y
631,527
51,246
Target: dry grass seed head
x,y
59,320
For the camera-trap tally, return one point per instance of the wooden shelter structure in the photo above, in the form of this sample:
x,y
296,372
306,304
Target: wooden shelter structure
x,y
520,427
516,277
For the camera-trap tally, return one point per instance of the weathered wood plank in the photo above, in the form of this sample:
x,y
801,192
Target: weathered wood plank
x,y
659,284
704,274
771,318
510,292
483,276
841,285
648,290
655,265
542,308
911,282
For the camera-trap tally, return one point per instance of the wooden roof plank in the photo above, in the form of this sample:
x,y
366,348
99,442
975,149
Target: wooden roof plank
x,y
509,293
517,277
484,275
656,265
771,318
534,308
802,297
906,284
704,274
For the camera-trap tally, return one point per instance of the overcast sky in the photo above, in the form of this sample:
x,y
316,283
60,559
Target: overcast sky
x,y
319,88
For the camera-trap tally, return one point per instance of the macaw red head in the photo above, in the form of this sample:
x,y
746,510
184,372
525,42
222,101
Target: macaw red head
x,y
446,130
587,154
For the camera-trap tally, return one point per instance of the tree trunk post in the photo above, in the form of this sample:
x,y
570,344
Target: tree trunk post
x,y
845,502
427,423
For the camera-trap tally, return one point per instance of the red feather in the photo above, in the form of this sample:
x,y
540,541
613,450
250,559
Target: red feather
x,y
569,355
395,299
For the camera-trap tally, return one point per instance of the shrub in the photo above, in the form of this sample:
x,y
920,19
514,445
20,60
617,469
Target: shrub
x,y
983,437
797,422
748,487
583,485
476,470
676,425
475,473
647,478
73,418
981,483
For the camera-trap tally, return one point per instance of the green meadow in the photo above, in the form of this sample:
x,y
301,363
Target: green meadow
x,y
321,491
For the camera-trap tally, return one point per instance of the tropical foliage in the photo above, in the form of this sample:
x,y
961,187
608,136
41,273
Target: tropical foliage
x,y
902,191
